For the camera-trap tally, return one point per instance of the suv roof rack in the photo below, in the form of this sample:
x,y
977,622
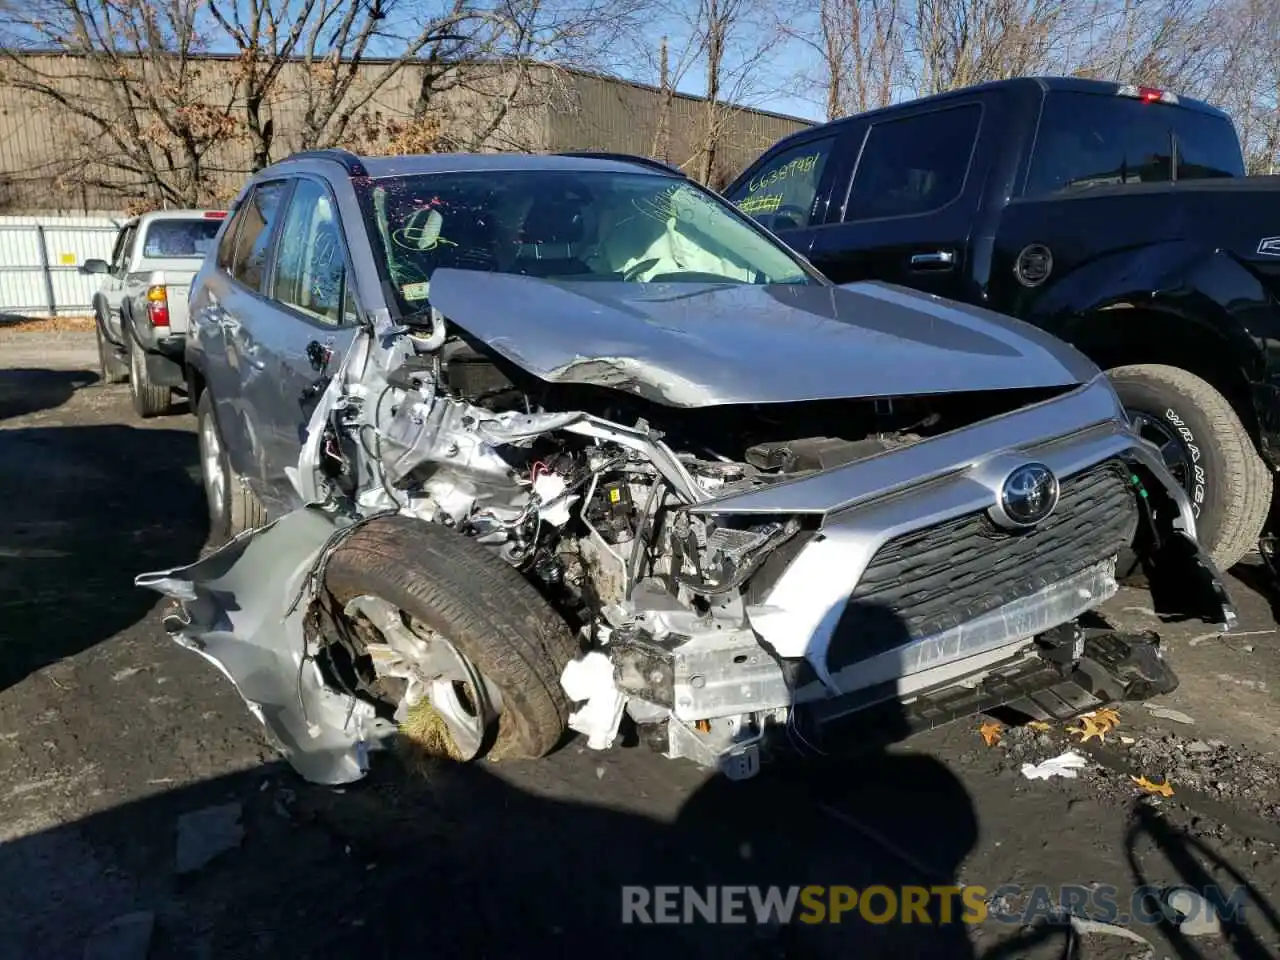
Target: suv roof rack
x,y
625,158
350,162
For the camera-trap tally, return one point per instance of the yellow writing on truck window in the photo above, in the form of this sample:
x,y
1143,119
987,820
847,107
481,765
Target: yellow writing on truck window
x,y
799,165
767,203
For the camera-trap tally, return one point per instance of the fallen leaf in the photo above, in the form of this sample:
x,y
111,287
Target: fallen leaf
x,y
1108,715
1161,788
1039,725
991,732
1089,728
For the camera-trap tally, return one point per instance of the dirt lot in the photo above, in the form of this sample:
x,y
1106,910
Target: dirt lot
x,y
112,737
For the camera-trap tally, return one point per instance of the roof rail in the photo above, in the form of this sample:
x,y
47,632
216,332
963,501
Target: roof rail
x,y
625,158
350,162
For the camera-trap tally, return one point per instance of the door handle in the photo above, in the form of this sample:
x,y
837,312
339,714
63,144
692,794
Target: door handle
x,y
934,258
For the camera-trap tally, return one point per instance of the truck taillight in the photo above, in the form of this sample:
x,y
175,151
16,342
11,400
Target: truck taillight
x,y
215,214
158,306
1148,94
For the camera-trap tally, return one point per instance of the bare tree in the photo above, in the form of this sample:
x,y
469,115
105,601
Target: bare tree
x,y
861,45
500,64
958,43
337,81
266,35
139,116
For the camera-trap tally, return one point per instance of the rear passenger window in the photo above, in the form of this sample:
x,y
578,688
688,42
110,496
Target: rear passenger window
x,y
914,165
1087,140
780,195
257,218
310,271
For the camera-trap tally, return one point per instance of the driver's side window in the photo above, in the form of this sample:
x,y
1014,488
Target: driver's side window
x,y
124,250
780,194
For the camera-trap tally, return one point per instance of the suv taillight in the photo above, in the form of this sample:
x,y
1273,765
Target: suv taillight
x,y
158,306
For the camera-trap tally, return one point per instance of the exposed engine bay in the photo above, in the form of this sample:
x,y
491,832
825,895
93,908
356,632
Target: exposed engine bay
x,y
702,556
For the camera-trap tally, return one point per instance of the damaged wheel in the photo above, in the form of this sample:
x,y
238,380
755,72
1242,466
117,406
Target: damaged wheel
x,y
468,634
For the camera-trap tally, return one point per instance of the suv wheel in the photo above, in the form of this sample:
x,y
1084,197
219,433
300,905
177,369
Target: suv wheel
x,y
1207,450
233,507
493,646
149,400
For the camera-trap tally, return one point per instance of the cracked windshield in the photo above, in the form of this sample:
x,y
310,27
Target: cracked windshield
x,y
568,226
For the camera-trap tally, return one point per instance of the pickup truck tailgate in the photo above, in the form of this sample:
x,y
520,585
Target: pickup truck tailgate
x,y
178,290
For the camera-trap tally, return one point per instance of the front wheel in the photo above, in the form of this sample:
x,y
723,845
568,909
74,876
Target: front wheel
x,y
483,647
1206,449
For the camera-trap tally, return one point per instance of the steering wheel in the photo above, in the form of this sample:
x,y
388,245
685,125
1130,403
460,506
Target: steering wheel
x,y
639,268
796,215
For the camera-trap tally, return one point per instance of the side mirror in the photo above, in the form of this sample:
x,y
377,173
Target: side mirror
x,y
95,266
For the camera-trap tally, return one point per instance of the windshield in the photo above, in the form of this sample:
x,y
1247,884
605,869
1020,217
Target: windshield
x,y
178,239
567,226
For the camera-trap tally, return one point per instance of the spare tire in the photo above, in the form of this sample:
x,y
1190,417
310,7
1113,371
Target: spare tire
x,y
1208,451
481,606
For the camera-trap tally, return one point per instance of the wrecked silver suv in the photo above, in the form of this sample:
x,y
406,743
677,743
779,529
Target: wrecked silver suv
x,y
526,443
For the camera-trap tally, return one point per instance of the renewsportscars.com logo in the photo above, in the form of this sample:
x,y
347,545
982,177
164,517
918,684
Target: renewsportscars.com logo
x,y
971,904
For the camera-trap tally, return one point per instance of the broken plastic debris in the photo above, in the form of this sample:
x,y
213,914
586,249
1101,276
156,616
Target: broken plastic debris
x,y
1083,926
1194,915
205,834
1166,713
1163,789
1064,765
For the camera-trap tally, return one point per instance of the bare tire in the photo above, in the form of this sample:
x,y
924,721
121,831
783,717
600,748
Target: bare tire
x,y
110,368
484,609
1207,449
149,400
233,507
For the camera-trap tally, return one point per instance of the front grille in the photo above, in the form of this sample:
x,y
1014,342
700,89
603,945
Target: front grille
x,y
931,580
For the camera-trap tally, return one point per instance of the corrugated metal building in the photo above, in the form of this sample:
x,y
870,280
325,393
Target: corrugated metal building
x,y
53,161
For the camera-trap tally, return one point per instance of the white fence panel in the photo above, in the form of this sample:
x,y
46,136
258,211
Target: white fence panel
x,y
40,258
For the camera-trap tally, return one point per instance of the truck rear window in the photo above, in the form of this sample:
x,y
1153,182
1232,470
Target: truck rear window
x,y
179,239
1087,140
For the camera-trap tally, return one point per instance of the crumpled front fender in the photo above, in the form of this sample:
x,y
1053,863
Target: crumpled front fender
x,y
1181,574
243,610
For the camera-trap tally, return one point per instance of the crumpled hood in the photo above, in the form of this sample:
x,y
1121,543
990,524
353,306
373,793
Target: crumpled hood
x,y
694,345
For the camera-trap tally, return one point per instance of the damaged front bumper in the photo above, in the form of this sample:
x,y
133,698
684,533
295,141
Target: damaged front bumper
x,y
714,688
786,657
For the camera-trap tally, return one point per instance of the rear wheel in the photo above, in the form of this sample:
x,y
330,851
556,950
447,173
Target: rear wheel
x,y
233,507
483,647
110,367
149,400
1208,451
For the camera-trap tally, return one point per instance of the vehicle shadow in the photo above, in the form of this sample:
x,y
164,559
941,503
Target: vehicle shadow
x,y
1250,924
28,390
85,509
543,858
1256,577
467,864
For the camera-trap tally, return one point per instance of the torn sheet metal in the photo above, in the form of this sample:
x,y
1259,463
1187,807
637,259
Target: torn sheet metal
x,y
244,607
696,345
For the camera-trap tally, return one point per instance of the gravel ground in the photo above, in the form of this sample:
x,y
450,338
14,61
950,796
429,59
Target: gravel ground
x,y
143,814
